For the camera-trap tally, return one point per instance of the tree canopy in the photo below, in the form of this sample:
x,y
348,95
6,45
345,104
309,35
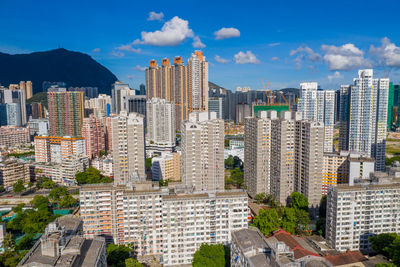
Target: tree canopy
x,y
386,244
117,254
298,201
18,186
267,221
91,176
209,256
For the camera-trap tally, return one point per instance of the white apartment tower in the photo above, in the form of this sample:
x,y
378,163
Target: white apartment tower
x,y
160,122
128,146
257,152
318,105
203,151
367,116
119,91
198,81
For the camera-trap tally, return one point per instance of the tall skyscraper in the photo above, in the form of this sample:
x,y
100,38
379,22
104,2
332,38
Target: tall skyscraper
x,y
129,147
142,89
160,123
152,86
257,152
309,151
65,113
29,90
318,105
198,81
9,114
93,132
365,116
203,151
217,105
180,88
15,96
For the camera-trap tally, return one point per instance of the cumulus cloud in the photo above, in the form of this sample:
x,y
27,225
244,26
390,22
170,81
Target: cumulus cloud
x,y
274,44
225,33
336,75
96,50
128,48
155,16
274,58
345,57
117,54
221,60
172,33
304,52
139,68
197,42
387,54
246,58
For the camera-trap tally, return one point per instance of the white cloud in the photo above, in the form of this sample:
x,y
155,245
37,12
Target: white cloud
x,y
303,52
345,57
274,44
172,33
96,50
274,58
225,33
336,75
129,48
117,54
387,54
197,42
139,68
246,58
156,16
221,60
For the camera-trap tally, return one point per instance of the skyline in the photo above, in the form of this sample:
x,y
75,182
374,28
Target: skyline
x,y
253,41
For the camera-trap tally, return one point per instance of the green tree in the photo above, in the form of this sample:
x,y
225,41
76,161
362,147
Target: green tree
x,y
226,142
49,184
132,263
229,162
40,202
260,198
91,176
237,177
267,221
302,220
209,256
116,255
103,153
2,189
8,242
385,265
26,242
394,251
67,201
321,222
18,186
288,222
57,194
298,201
380,243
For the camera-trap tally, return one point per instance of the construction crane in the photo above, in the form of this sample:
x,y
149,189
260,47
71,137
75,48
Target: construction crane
x,y
270,96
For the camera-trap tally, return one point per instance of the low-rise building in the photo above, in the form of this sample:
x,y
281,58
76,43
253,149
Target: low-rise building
x,y
11,171
168,166
56,149
167,223
62,245
13,135
104,165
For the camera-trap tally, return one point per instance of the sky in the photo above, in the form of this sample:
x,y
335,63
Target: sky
x,y
284,42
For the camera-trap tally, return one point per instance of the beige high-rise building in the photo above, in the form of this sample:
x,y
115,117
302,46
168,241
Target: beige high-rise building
x,y
165,80
283,159
257,153
309,153
203,151
179,78
167,167
152,86
29,90
129,147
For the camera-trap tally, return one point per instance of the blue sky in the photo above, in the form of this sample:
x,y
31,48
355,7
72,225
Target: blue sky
x,y
285,42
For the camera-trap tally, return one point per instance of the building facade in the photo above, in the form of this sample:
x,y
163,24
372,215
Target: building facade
x,y
203,151
12,135
93,132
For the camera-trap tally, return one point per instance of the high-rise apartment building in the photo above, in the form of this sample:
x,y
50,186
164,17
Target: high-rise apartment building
x,y
128,146
257,153
365,116
309,152
318,105
203,151
15,99
65,113
167,167
11,171
355,213
152,85
93,132
119,91
198,81
160,123
136,103
56,149
101,105
282,171
179,78
216,104
169,226
9,115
